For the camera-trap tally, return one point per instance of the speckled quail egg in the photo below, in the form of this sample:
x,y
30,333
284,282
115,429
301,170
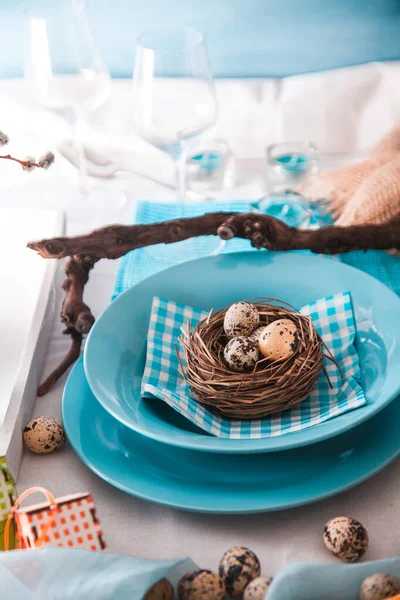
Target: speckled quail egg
x,y
201,585
255,336
241,318
44,434
238,567
162,590
241,354
379,587
257,589
279,340
346,538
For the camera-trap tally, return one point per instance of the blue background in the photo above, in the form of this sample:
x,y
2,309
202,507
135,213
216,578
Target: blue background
x,y
245,37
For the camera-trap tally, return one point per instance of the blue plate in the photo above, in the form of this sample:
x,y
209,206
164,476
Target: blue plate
x,y
222,483
116,347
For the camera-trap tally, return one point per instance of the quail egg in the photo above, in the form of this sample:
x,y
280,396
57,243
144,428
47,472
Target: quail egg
x,y
255,336
241,354
162,590
257,589
346,538
201,585
279,340
44,434
379,586
241,318
238,567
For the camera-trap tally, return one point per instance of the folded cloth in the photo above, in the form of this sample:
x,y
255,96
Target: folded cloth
x,y
79,575
332,317
71,574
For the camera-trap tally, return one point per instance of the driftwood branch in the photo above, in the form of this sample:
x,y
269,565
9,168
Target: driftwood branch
x,y
68,360
262,231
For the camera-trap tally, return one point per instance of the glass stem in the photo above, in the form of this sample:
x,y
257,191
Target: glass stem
x,y
76,124
180,177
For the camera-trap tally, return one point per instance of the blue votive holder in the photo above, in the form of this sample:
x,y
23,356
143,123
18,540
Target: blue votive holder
x,y
211,168
290,163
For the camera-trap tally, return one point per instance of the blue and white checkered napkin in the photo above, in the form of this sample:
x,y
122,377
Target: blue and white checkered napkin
x,y
332,317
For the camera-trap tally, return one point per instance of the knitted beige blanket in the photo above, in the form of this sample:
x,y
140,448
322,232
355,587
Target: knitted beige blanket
x,y
363,192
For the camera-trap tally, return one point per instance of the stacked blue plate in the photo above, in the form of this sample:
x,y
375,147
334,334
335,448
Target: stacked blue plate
x,y
146,448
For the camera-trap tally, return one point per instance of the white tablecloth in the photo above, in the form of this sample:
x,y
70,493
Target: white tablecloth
x,y
340,111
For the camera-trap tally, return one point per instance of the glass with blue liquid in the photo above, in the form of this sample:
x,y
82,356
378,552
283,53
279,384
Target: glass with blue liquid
x,y
288,165
211,168
291,163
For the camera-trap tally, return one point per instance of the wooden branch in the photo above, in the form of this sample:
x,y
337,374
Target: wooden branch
x,y
263,231
68,360
75,314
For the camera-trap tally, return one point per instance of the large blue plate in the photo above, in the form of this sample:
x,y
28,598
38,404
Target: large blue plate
x,y
223,483
116,346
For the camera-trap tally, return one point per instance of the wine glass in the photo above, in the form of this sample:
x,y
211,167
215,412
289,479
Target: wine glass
x,y
66,73
174,108
174,95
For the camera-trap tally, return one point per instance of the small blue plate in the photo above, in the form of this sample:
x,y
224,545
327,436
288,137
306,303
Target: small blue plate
x,y
223,483
116,347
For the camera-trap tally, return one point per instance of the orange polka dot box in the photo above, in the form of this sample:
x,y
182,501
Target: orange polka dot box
x,y
69,522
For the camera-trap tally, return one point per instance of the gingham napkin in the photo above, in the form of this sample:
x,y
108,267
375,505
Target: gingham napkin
x,y
332,317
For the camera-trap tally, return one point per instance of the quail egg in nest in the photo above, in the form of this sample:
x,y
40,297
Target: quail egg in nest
x,y
241,354
241,318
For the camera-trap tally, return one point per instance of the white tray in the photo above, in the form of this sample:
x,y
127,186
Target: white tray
x,y
26,317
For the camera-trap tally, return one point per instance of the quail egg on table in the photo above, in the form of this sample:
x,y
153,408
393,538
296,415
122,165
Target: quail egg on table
x,y
257,589
238,567
241,318
279,340
241,354
379,587
162,590
44,434
346,538
201,585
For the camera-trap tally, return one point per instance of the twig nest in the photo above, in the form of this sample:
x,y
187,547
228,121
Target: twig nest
x,y
201,585
233,379
43,435
257,589
279,340
346,538
379,587
162,590
241,354
238,567
241,318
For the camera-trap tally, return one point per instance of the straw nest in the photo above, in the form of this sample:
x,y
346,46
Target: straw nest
x,y
271,386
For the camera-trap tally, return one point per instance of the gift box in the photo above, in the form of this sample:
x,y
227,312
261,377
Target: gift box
x,y
70,522
8,496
